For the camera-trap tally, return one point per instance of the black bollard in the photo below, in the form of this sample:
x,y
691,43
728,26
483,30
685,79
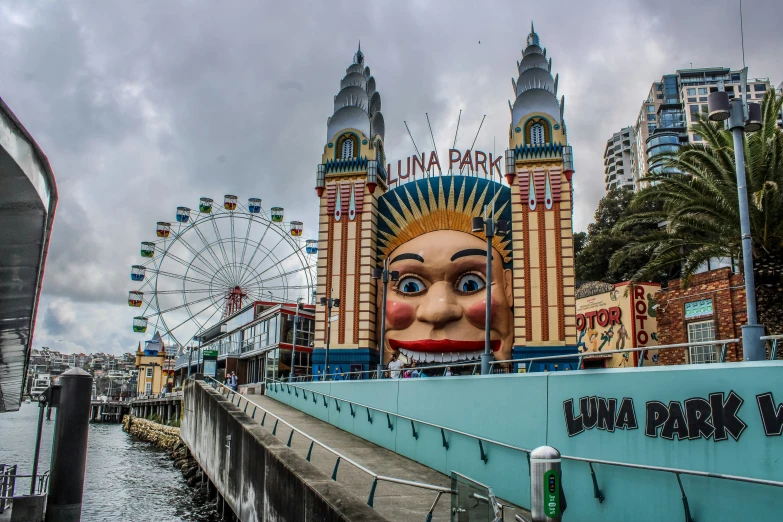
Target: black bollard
x,y
69,451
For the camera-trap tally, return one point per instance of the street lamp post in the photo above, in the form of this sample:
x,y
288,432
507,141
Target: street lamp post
x,y
490,228
384,275
742,118
330,303
293,350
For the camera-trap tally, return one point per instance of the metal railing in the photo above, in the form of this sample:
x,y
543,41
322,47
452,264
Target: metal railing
x,y
8,476
775,342
484,450
7,485
226,391
504,366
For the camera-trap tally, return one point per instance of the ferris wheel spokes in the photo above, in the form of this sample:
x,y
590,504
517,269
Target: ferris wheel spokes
x,y
255,250
206,245
278,262
268,252
193,251
189,284
179,307
194,267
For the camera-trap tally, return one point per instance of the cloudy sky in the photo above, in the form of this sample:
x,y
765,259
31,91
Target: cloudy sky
x,y
145,105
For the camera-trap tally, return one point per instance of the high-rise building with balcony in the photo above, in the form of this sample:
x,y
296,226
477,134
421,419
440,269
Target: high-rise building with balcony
x,y
672,106
618,171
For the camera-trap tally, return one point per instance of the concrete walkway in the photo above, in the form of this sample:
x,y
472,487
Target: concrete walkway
x,y
394,501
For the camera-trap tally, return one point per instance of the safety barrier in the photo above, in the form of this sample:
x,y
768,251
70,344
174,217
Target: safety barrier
x,y
229,393
483,444
504,366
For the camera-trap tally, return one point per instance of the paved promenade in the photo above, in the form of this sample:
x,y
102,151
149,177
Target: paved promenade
x,y
394,501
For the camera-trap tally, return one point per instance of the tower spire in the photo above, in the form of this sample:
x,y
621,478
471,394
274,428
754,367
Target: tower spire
x,y
359,56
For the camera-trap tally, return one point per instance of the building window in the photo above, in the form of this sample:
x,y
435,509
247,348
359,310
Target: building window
x,y
692,99
651,117
702,331
702,98
346,151
347,146
149,372
651,108
702,90
760,87
650,128
696,137
148,388
691,92
659,96
537,131
537,134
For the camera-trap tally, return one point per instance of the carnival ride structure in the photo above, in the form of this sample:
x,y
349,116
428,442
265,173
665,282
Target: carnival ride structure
x,y
210,263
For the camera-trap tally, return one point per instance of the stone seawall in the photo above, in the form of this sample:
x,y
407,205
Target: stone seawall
x,y
166,437
254,472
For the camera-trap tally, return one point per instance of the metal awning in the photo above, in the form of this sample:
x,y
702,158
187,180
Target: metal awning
x,y
28,197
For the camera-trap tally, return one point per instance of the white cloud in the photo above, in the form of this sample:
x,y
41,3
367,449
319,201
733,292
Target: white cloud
x,y
145,106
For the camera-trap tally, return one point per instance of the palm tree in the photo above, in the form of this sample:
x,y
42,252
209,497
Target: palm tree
x,y
695,189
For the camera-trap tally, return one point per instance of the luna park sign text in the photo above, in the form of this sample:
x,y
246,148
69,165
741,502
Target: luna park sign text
x,y
715,417
472,161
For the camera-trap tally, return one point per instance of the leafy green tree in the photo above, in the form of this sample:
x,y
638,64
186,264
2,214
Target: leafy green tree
x,y
580,239
700,208
602,241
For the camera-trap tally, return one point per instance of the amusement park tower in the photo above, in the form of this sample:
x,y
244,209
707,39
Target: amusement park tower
x,y
350,179
539,167
437,311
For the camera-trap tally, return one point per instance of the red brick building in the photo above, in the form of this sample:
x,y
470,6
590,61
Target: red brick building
x,y
712,307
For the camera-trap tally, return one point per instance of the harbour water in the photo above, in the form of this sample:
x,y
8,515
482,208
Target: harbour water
x,y
126,479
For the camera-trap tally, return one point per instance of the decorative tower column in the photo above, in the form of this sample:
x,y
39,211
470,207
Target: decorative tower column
x,y
539,166
349,181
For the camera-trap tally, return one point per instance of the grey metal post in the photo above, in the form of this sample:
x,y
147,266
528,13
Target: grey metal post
x,y
382,350
487,356
293,351
752,346
69,451
547,501
37,445
328,338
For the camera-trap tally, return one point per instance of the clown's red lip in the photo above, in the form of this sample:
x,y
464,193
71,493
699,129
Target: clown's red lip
x,y
442,345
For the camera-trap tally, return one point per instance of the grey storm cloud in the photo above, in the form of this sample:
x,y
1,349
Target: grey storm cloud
x,y
142,106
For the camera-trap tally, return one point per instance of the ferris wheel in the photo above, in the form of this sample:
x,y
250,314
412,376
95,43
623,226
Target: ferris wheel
x,y
210,263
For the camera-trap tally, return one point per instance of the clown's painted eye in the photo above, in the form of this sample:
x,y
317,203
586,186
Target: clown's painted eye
x,y
469,283
410,285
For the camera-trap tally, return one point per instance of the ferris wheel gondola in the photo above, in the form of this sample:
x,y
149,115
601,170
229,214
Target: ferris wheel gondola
x,y
211,263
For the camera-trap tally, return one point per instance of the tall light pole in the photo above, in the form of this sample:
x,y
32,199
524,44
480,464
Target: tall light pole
x,y
384,275
293,350
742,118
489,227
329,302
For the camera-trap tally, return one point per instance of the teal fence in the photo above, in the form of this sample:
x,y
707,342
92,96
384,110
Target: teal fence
x,y
712,433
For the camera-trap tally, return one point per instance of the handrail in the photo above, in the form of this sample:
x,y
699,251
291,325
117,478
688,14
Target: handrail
x,y
773,352
580,356
340,457
419,421
565,457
